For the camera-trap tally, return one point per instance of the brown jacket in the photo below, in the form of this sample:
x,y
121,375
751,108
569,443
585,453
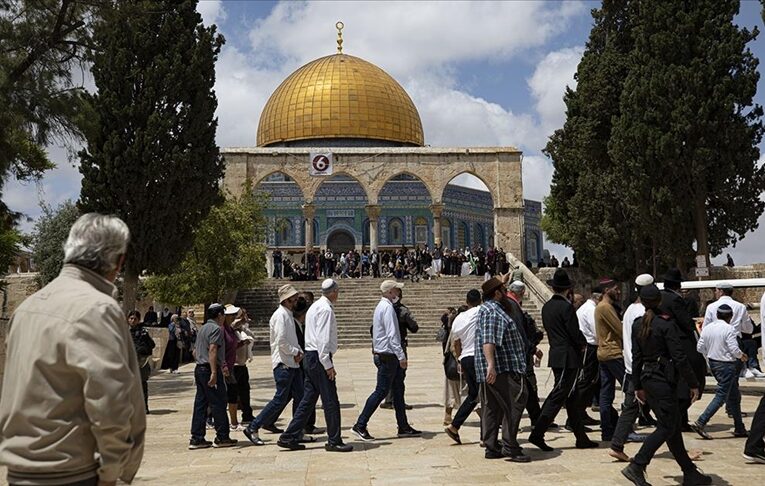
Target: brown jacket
x,y
608,327
71,390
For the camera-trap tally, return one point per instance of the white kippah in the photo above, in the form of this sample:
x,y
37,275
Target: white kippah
x,y
516,286
328,284
643,280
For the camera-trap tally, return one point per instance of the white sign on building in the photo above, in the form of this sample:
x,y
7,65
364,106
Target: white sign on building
x,y
320,163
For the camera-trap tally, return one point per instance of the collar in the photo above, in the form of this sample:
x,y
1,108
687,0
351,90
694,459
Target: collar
x,y
512,296
97,281
726,298
284,309
329,302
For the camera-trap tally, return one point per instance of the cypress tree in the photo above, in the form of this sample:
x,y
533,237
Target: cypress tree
x,y
153,160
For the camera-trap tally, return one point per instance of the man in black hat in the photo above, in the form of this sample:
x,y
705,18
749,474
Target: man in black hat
x,y
673,304
567,344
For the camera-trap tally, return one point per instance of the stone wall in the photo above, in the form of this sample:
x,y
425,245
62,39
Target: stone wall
x,y
19,286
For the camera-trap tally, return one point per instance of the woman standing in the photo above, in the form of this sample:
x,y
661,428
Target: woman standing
x,y
172,355
657,358
144,345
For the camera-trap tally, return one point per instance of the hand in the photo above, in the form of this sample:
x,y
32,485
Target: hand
x,y
640,395
694,394
459,367
744,358
298,358
491,375
403,363
213,380
226,372
331,374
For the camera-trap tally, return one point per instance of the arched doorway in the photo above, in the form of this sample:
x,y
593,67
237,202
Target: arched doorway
x,y
341,241
468,202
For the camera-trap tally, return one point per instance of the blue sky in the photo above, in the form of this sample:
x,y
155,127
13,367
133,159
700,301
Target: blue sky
x,y
481,74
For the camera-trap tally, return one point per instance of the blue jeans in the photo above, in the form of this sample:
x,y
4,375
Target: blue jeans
x,y
288,385
317,383
726,374
610,372
389,374
468,405
749,346
215,398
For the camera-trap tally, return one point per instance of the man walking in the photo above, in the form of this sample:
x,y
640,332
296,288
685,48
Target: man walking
x,y
500,368
387,348
588,383
320,347
72,409
566,346
718,343
609,331
286,355
210,353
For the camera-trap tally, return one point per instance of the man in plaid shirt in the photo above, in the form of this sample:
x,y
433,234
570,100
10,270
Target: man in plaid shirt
x,y
500,362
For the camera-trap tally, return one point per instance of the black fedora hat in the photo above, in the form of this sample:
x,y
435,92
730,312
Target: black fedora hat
x,y
560,280
673,275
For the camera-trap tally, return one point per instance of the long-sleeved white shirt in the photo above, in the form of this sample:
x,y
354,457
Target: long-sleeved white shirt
x,y
386,337
633,312
321,331
283,337
586,316
718,342
739,310
463,328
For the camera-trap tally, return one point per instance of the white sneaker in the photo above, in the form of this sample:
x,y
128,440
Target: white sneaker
x,y
757,373
749,375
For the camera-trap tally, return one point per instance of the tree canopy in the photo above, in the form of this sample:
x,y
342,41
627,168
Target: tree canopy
x,y
48,237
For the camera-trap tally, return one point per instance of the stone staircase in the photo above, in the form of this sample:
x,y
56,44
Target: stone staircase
x,y
427,300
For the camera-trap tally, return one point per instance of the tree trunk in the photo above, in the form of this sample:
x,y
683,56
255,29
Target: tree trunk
x,y
700,225
129,289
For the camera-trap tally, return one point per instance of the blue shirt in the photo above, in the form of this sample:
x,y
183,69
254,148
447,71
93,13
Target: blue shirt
x,y
496,327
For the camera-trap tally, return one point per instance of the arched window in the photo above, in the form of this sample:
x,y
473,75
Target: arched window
x,y
283,232
365,233
478,235
446,233
421,231
395,232
463,235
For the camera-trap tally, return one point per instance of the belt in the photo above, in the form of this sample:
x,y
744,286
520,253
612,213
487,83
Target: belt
x,y
203,365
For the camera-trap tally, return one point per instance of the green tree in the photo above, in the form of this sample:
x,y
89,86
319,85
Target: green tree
x,y
688,126
584,209
153,160
228,254
48,237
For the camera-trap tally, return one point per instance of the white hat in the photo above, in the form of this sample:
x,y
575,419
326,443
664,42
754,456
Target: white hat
x,y
286,291
390,284
516,286
643,279
328,285
724,286
231,309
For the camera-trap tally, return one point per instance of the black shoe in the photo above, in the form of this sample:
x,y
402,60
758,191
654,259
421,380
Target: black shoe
x,y
338,447
199,444
407,406
227,442
636,474
409,432
492,454
647,422
553,425
387,405
755,456
362,433
455,436
539,441
273,429
695,477
740,433
589,444
313,430
519,457
587,420
291,445
584,427
699,429
252,436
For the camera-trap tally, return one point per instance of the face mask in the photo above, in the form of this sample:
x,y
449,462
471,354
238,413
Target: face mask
x,y
396,299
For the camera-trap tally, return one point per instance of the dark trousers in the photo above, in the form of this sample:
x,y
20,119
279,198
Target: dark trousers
x,y
588,382
630,412
532,398
749,346
389,374
502,404
206,396
754,444
664,402
311,423
561,394
172,356
242,377
611,371
468,404
288,386
317,383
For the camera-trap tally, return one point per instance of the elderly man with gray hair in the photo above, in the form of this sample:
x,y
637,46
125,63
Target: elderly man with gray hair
x,y
72,408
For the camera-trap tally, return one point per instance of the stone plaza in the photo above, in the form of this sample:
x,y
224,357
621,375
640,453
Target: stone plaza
x,y
431,459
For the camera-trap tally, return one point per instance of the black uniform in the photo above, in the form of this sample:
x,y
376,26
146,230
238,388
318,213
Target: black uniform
x,y
144,345
531,337
659,362
566,345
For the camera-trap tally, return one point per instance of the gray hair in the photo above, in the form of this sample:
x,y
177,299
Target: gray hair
x,y
96,242
517,286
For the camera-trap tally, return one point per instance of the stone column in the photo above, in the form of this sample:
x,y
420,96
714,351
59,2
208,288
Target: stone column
x,y
437,209
508,230
373,212
309,211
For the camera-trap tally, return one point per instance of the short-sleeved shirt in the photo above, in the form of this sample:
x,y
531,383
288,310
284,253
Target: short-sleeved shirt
x,y
210,334
496,327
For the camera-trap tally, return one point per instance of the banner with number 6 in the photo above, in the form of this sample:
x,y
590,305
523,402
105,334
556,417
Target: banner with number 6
x,y
320,164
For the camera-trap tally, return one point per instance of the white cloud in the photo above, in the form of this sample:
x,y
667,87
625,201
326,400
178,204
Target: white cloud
x,y
548,84
212,11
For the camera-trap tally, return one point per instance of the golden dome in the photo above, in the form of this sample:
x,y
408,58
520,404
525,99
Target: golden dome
x,y
340,96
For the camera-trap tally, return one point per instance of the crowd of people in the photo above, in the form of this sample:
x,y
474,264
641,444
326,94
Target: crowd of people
x,y
72,409
404,263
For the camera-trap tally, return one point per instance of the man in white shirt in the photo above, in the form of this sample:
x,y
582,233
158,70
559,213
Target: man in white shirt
x,y
723,294
588,383
630,406
320,347
285,360
718,343
463,341
754,450
386,345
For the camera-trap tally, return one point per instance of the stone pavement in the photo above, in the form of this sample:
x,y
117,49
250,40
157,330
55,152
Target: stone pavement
x,y
431,459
